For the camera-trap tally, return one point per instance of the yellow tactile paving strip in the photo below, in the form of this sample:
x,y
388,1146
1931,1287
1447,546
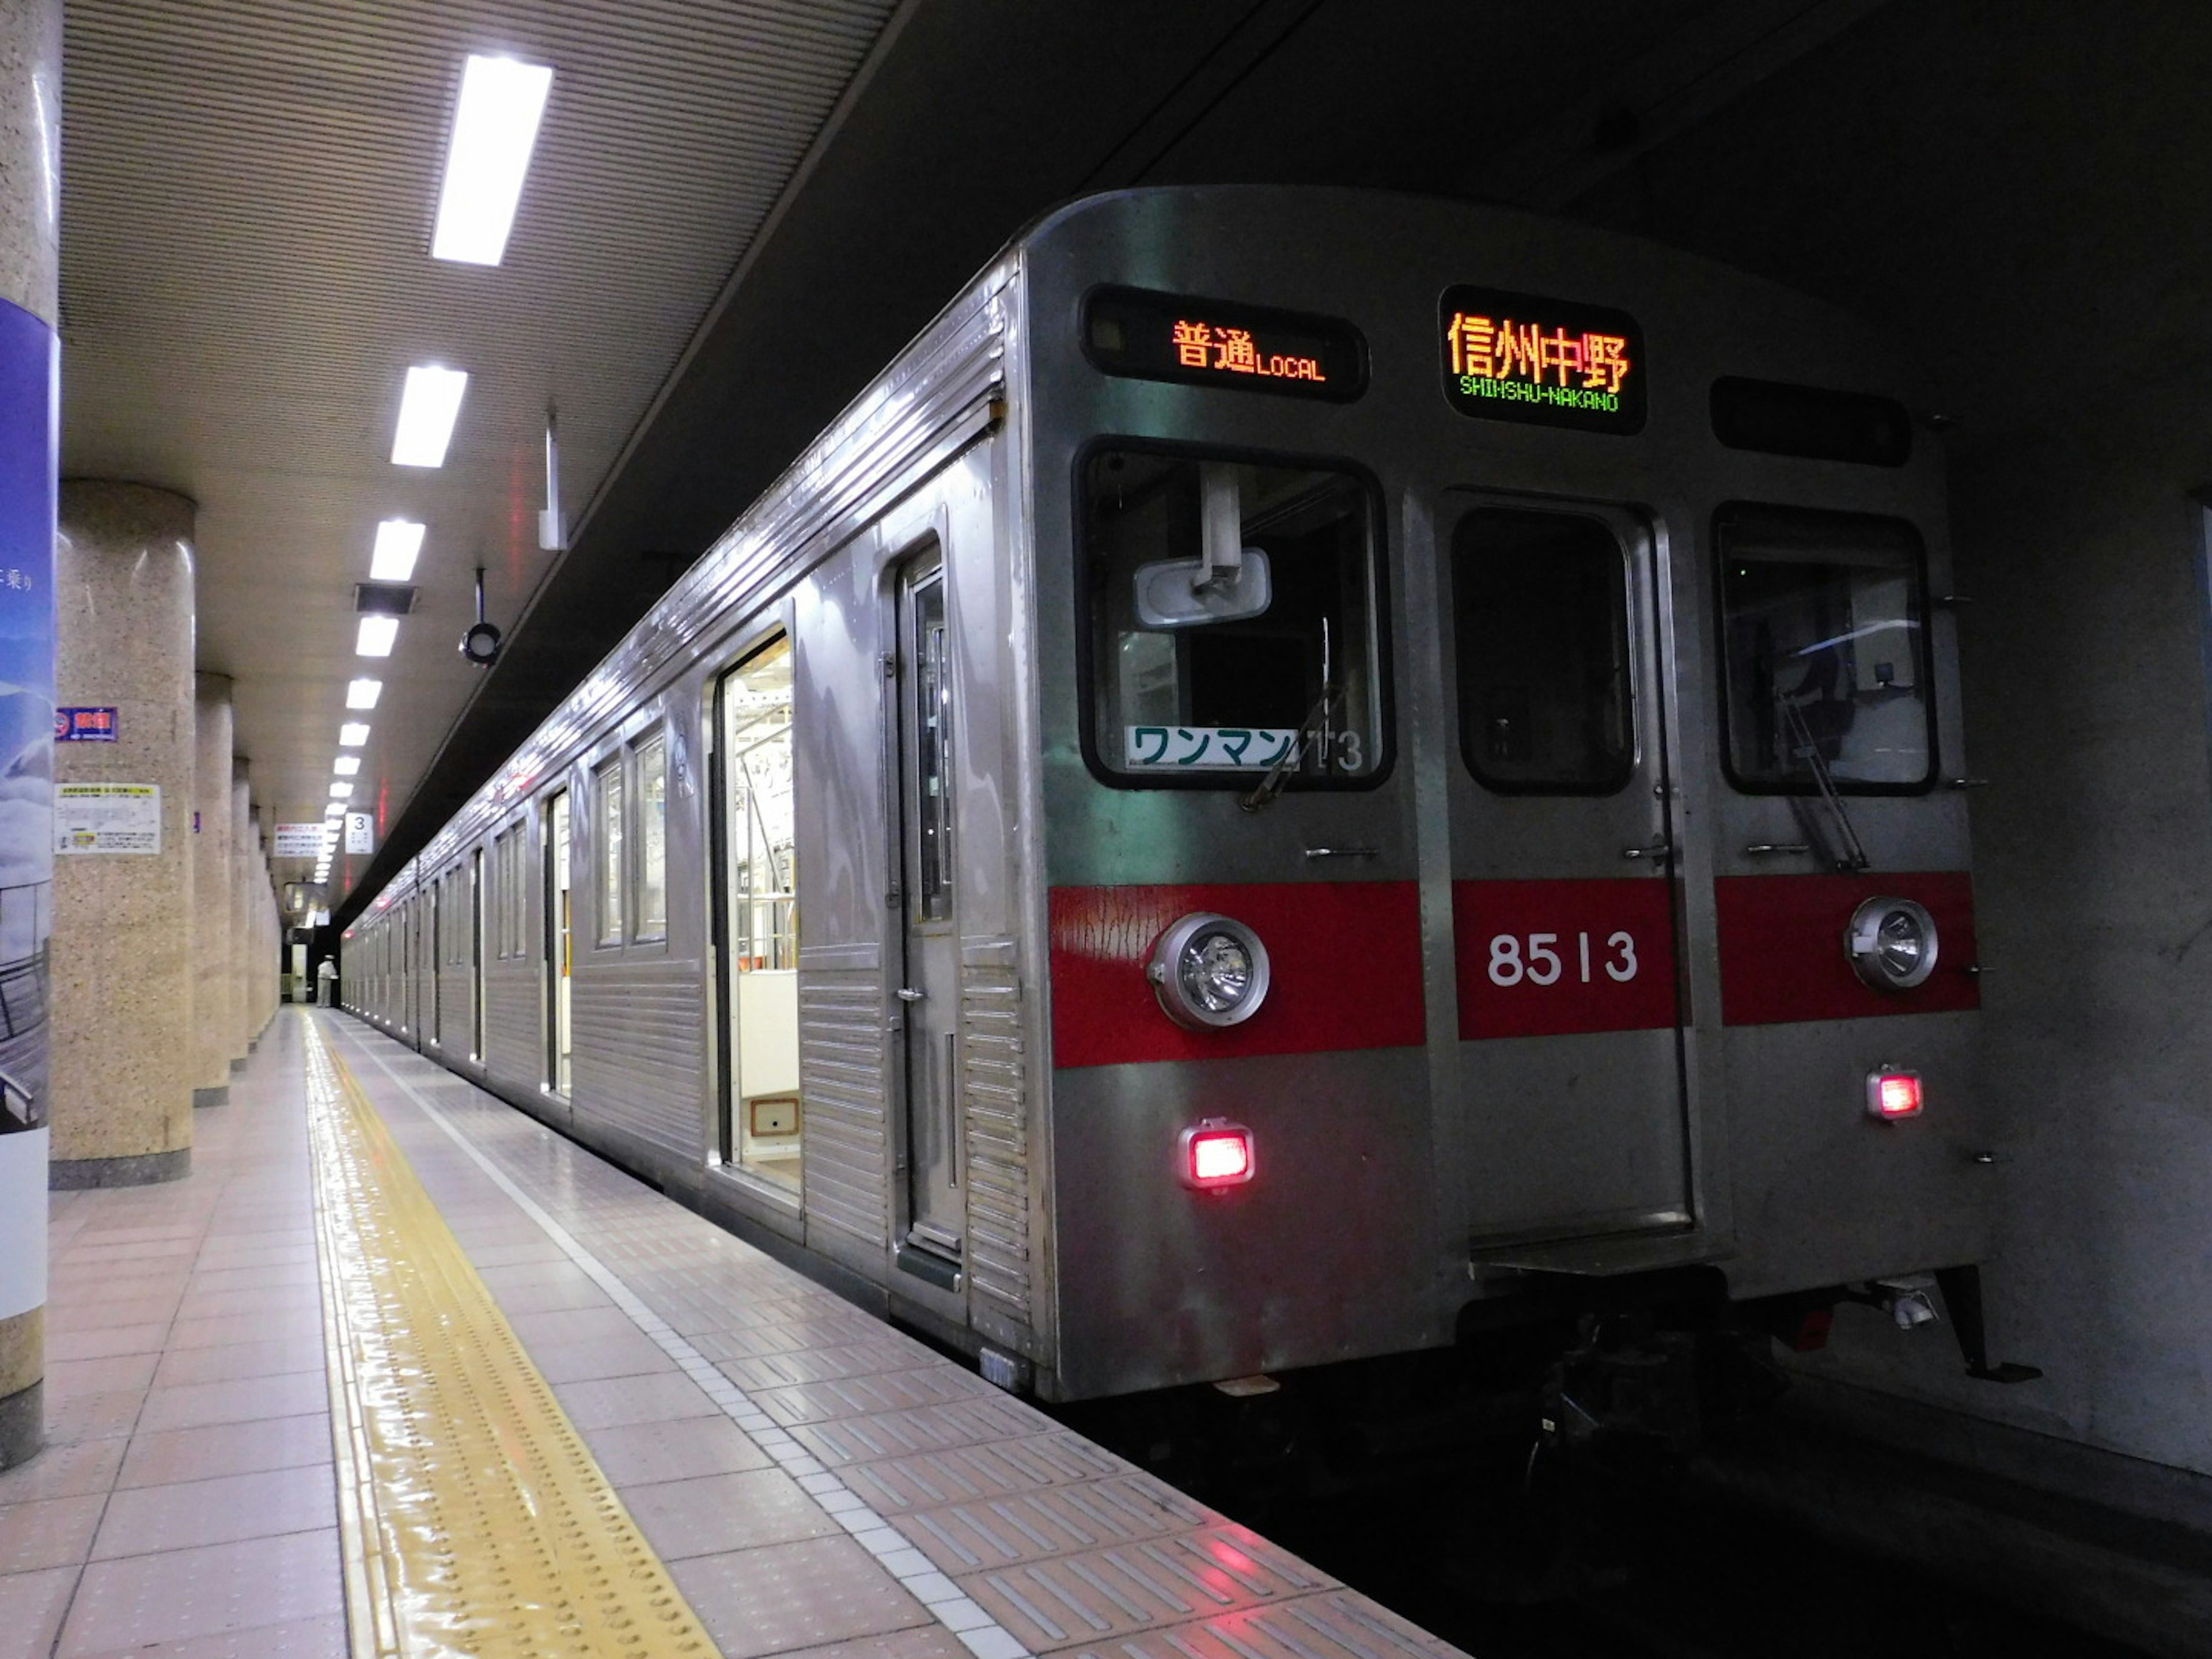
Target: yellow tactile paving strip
x,y
474,1520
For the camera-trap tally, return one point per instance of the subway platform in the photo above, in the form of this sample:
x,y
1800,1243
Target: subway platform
x,y
397,1370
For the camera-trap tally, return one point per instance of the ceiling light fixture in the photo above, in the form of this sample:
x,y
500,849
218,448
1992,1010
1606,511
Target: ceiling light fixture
x,y
495,128
399,543
352,734
346,765
363,694
427,409
376,635
341,791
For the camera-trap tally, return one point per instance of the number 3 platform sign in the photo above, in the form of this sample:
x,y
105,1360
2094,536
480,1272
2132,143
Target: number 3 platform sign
x,y
1548,959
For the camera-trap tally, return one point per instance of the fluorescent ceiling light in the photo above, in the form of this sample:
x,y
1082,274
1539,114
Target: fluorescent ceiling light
x,y
353,734
428,410
346,765
495,126
397,543
363,694
376,635
341,791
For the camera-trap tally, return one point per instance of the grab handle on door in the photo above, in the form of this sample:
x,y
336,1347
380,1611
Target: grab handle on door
x,y
907,993
1761,848
1658,851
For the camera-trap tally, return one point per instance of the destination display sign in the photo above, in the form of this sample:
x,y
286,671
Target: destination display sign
x,y
1547,363
1170,337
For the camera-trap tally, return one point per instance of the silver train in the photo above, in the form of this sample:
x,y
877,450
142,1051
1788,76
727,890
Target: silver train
x,y
1303,771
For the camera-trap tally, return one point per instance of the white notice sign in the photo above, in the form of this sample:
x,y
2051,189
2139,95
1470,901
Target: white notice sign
x,y
361,833
299,841
107,817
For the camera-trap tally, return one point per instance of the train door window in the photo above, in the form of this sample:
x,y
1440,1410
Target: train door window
x,y
437,940
652,838
476,954
763,1126
1234,624
1544,667
607,831
559,945
929,994
1824,652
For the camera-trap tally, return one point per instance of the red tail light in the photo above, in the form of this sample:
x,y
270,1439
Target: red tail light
x,y
1217,1154
1893,1094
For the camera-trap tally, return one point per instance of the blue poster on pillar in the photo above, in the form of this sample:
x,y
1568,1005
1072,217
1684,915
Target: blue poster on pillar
x,y
29,423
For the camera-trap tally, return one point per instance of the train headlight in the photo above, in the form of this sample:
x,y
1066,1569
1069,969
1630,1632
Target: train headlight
x,y
1891,944
1209,972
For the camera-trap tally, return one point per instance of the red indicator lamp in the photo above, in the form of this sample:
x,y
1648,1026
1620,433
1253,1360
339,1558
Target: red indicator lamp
x,y
1216,1153
1892,1093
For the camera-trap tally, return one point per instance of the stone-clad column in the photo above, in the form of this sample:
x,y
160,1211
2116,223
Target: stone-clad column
x,y
30,176
264,947
123,875
242,915
215,982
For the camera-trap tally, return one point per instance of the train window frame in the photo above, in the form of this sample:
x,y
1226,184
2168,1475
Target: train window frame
x,y
1380,647
1924,663
1630,645
641,929
610,858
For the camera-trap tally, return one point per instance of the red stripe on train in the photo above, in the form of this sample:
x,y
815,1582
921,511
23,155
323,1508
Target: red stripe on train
x,y
1345,957
1782,946
1552,958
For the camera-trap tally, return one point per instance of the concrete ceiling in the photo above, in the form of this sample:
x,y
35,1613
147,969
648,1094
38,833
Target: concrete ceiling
x,y
738,212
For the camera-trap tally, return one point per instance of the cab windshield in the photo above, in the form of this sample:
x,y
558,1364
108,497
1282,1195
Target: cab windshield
x,y
1825,650
1232,618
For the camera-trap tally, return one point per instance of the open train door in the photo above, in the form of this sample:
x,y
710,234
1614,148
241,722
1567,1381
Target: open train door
x,y
1564,903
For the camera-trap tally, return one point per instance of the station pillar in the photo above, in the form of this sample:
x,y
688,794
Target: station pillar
x,y
240,889
30,106
265,943
123,865
214,978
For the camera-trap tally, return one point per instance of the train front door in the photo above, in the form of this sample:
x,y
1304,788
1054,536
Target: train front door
x,y
929,992
1564,901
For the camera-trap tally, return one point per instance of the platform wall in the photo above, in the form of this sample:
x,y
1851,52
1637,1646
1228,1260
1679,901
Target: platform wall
x,y
1930,169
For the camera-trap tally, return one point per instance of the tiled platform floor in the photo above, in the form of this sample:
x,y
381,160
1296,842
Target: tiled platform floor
x,y
185,1497
815,1482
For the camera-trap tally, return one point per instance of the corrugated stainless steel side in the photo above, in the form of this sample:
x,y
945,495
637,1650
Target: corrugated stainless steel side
x,y
994,1098
514,1030
842,1042
924,409
638,1030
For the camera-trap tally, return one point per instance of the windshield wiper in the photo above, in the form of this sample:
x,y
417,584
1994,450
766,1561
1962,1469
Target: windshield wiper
x,y
1844,849
1316,726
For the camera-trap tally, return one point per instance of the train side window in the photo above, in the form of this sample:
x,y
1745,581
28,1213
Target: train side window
x,y
1234,623
1545,696
607,827
1823,651
652,756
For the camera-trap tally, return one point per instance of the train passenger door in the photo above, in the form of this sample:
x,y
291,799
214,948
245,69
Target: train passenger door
x,y
1564,903
761,1128
929,992
477,956
559,954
